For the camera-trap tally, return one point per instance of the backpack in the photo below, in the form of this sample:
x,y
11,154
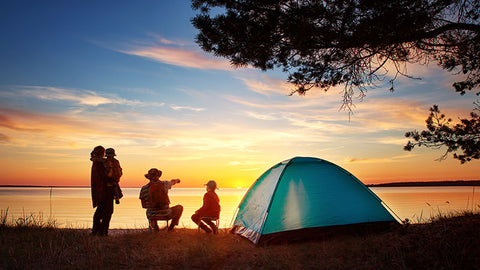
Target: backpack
x,y
158,195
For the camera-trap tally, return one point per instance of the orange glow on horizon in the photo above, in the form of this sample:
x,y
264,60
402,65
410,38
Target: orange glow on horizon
x,y
194,174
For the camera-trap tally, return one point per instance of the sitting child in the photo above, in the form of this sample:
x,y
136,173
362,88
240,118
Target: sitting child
x,y
209,210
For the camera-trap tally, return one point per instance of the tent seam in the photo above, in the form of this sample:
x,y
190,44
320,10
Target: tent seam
x,y
274,191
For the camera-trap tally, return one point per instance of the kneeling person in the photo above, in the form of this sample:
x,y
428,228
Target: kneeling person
x,y
154,196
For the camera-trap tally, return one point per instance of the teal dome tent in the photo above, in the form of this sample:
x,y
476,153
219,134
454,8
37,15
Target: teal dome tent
x,y
300,196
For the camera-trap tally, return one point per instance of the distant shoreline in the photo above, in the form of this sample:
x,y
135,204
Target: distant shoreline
x,y
392,184
429,184
39,186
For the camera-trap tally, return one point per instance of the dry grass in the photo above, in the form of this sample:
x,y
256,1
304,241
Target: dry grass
x,y
444,243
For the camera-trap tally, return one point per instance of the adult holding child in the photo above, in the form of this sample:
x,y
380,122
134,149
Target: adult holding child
x,y
102,192
154,197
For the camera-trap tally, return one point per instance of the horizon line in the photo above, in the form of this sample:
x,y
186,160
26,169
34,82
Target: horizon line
x,y
404,183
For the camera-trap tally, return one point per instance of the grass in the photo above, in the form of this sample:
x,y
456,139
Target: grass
x,y
446,242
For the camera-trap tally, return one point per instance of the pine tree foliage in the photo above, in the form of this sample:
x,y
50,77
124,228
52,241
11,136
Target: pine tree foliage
x,y
349,43
464,136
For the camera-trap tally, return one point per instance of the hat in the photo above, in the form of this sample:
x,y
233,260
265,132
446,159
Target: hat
x,y
110,152
153,173
211,184
98,151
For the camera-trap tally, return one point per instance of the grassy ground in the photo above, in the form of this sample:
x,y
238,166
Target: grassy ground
x,y
444,243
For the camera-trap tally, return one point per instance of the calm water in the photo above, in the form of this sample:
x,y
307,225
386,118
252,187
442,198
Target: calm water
x,y
72,207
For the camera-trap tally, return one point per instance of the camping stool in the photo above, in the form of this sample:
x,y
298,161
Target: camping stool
x,y
215,220
166,219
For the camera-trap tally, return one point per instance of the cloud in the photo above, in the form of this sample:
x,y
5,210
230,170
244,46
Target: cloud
x,y
379,160
72,130
81,97
244,163
67,129
4,138
165,41
6,122
261,116
285,103
179,57
393,140
171,52
234,163
318,118
181,108
268,86
84,97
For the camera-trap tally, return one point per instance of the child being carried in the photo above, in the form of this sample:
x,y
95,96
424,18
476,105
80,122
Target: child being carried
x,y
114,171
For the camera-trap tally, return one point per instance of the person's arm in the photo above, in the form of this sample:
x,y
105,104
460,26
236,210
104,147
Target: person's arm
x,y
120,169
168,184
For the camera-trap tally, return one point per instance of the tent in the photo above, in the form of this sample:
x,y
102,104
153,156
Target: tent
x,y
301,195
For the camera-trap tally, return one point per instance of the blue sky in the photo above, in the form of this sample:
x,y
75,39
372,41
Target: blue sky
x,y
129,75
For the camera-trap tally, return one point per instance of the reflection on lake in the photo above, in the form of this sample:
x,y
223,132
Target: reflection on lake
x,y
419,204
72,207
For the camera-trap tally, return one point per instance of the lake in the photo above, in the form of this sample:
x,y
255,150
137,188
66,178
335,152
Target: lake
x,y
72,207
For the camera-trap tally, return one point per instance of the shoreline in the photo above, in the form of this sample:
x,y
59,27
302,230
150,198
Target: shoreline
x,y
389,184
458,183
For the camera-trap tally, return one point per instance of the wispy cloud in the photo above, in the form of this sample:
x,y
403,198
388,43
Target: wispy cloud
x,y
82,130
4,138
179,57
188,108
76,96
379,160
285,103
261,116
166,41
268,86
322,111
84,97
393,140
168,51
244,163
6,122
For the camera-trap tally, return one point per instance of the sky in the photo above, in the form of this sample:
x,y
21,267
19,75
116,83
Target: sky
x,y
129,75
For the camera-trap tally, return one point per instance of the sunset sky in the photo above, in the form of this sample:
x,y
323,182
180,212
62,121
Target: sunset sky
x,y
128,75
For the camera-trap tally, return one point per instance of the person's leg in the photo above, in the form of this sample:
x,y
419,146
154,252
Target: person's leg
x,y
97,220
198,220
153,224
177,211
212,225
116,195
108,210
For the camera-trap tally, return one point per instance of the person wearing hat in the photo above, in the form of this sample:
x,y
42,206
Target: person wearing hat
x,y
102,192
209,210
154,197
114,172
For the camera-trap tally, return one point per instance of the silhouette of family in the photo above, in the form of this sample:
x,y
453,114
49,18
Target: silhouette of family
x,y
105,189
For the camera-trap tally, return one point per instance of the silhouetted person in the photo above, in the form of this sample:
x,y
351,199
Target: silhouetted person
x,y
209,210
154,196
114,172
102,192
